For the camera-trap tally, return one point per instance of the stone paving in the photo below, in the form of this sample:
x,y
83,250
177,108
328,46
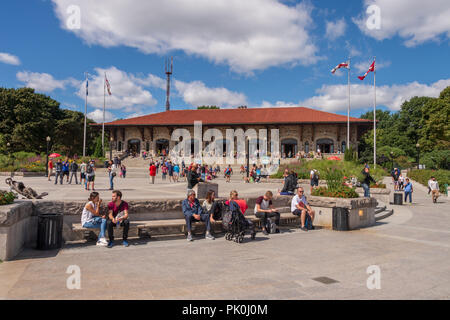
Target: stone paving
x,y
411,248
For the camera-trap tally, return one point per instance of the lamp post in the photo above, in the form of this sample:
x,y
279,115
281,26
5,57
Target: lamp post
x,y
46,164
418,155
247,155
110,147
8,145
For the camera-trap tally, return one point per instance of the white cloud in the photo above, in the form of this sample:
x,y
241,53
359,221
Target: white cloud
x,y
127,91
278,104
333,98
246,35
336,29
97,116
43,82
196,93
9,59
415,21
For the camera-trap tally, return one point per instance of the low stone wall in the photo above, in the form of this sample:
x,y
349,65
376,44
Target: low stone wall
x,y
23,174
18,228
381,194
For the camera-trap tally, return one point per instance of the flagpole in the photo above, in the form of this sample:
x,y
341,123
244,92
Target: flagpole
x,y
348,109
374,116
85,115
103,125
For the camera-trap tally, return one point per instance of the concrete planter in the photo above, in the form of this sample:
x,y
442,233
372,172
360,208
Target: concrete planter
x,y
383,195
23,174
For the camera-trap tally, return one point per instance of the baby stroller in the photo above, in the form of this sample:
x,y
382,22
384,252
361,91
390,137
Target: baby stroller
x,y
235,223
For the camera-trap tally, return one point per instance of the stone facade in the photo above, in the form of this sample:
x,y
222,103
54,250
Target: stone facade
x,y
305,136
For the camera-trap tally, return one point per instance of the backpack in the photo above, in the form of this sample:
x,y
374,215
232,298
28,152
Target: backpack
x,y
308,222
89,169
271,227
315,176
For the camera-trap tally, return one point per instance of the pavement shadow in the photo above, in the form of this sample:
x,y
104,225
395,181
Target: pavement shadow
x,y
30,253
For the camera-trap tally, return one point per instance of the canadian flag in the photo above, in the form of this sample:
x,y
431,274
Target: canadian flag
x,y
340,65
108,87
371,69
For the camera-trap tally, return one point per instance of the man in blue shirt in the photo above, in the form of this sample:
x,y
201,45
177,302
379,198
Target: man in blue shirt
x,y
65,170
193,212
408,190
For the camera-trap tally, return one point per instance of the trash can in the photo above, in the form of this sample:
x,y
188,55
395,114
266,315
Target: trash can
x,y
50,226
398,198
340,219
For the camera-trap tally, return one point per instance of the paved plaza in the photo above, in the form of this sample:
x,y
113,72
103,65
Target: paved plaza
x,y
411,249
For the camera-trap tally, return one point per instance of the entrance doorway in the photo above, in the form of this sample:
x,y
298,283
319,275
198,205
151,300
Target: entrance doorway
x,y
162,146
325,145
289,148
134,147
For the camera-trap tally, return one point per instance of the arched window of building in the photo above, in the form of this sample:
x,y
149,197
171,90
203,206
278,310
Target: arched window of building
x,y
306,146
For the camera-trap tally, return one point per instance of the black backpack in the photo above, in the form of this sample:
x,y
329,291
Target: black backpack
x,y
89,169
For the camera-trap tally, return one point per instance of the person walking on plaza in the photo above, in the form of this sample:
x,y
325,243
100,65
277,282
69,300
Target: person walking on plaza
x,y
118,217
164,171
264,210
193,212
112,172
123,170
434,187
59,172
395,177
170,171
83,174
408,190
50,168
91,217
152,170
366,182
73,172
176,172
300,207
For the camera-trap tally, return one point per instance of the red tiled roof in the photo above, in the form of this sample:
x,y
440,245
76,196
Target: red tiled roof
x,y
286,115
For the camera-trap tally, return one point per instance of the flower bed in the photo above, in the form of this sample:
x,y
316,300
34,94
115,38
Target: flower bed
x,y
6,198
342,192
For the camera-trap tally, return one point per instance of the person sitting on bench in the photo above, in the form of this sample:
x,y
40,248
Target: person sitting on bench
x,y
91,217
290,184
300,207
193,212
264,209
118,216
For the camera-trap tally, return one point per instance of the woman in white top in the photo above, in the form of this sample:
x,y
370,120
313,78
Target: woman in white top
x,y
91,217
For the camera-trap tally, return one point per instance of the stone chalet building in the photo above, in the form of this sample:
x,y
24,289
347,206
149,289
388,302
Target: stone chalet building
x,y
300,128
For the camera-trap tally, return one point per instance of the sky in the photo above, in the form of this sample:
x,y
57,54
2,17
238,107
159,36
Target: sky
x,y
258,53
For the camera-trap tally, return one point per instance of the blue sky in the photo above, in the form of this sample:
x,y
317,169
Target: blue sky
x,y
260,53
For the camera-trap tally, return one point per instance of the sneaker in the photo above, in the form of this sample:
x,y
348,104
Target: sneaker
x,y
110,244
264,231
189,237
209,236
125,243
101,244
103,240
304,228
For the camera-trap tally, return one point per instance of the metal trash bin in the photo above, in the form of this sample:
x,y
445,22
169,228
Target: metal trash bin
x,y
340,219
398,198
50,227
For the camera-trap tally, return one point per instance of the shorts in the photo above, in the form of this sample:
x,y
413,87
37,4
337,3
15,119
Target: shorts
x,y
65,173
314,183
90,178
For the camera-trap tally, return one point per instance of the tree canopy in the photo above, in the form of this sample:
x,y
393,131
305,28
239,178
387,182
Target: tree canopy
x,y
27,118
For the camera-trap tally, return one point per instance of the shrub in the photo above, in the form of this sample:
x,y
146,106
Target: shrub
x,y
422,176
437,159
334,178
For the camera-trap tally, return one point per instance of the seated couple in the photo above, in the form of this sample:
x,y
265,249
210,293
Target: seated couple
x,y
117,216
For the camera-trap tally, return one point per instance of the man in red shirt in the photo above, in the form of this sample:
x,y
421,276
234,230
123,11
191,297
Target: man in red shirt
x,y
50,168
152,170
118,216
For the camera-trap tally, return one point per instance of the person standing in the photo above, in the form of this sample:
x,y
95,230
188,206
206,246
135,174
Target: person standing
x,y
170,171
164,171
434,187
59,172
73,172
408,190
65,170
193,177
176,172
366,182
83,173
314,179
118,216
112,172
152,170
90,175
123,169
50,168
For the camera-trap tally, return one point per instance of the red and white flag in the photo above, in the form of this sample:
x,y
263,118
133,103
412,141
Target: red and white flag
x,y
341,65
371,69
108,87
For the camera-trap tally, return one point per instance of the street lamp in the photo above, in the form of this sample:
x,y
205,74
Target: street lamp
x,y
9,153
46,165
418,155
110,147
392,158
248,156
